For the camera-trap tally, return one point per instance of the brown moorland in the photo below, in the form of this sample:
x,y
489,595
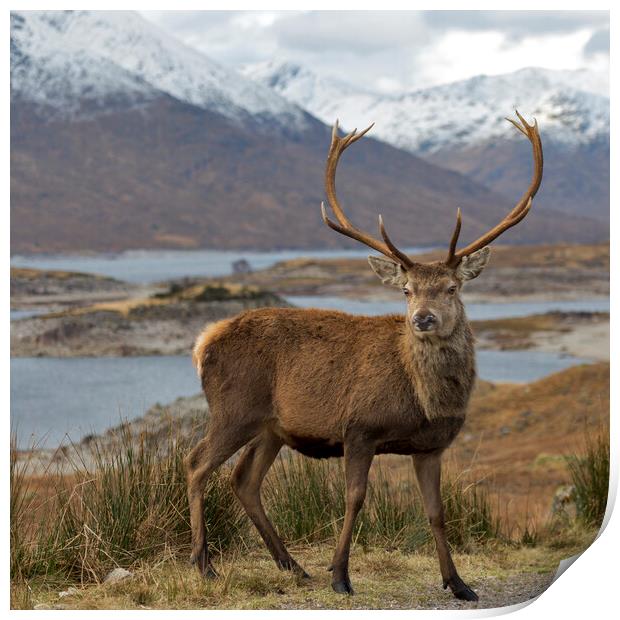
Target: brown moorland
x,y
514,444
550,271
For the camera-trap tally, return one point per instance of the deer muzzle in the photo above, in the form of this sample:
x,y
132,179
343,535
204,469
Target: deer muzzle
x,y
424,320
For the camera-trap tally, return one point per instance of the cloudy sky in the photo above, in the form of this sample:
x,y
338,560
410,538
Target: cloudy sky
x,y
395,51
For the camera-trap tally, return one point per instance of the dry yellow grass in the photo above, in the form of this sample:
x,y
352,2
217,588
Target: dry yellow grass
x,y
177,241
125,307
57,274
249,579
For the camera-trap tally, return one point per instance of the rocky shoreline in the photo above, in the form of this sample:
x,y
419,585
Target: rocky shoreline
x,y
91,316
184,418
163,323
514,273
581,334
171,329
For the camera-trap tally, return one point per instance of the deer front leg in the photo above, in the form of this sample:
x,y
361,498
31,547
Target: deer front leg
x,y
428,472
357,460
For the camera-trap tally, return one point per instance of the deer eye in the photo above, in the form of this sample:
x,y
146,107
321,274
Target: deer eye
x,y
406,292
452,289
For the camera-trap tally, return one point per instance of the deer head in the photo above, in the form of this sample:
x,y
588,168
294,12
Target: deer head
x,y
431,290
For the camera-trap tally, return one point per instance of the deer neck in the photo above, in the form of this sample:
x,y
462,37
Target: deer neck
x,y
442,370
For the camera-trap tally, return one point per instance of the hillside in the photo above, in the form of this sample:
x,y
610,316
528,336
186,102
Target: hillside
x,y
576,179
516,436
109,152
461,126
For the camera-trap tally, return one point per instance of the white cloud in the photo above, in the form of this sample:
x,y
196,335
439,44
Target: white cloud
x,y
394,51
598,43
351,31
518,23
458,53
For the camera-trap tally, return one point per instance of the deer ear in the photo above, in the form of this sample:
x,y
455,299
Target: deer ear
x,y
388,271
471,266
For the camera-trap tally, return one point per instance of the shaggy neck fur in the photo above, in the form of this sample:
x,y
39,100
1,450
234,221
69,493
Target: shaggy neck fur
x,y
442,370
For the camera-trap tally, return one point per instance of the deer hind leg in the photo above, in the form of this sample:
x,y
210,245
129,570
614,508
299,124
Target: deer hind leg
x,y
218,445
428,472
357,461
247,478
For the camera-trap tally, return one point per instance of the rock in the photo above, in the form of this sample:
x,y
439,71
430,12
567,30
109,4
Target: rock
x,y
563,500
241,266
116,575
524,420
69,592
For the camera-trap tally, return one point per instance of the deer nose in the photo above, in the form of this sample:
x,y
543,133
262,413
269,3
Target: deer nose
x,y
424,319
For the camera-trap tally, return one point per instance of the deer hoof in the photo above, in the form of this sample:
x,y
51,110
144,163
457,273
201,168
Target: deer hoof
x,y
460,589
466,594
209,572
343,586
290,564
202,563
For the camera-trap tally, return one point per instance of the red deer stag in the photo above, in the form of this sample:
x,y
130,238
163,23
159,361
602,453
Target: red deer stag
x,y
331,384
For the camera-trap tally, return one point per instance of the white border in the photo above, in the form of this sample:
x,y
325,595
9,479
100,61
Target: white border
x,y
588,588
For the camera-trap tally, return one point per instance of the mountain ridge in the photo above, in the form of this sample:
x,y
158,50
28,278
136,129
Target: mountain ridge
x,y
143,167
93,54
461,126
457,114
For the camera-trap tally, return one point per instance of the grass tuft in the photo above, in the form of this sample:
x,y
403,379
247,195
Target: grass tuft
x,y
470,519
306,500
117,507
590,478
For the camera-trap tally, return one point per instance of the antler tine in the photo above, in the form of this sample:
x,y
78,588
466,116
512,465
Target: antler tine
x,y
403,258
358,235
455,237
519,211
353,136
344,226
517,125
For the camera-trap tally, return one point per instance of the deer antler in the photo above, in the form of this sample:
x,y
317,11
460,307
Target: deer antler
x,y
344,227
520,210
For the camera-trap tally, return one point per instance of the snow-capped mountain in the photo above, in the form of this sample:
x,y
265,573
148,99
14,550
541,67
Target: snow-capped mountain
x,y
327,98
457,115
64,59
122,137
461,126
